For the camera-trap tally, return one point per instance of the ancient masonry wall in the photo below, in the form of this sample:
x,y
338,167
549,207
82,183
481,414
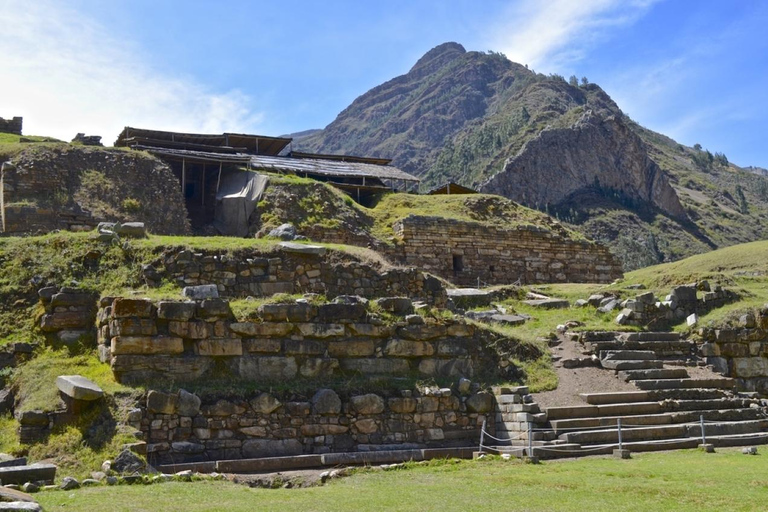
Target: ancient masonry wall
x,y
40,192
11,125
181,341
464,252
741,352
261,275
181,428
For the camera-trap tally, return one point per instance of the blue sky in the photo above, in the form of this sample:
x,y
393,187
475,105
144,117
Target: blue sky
x,y
696,70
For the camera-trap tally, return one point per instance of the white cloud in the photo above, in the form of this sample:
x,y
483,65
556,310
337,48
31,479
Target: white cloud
x,y
65,74
557,32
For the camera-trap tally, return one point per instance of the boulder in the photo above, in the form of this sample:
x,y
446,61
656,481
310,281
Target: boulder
x,y
78,387
480,402
128,462
284,232
326,401
396,305
368,404
265,404
163,403
130,229
203,291
69,483
188,404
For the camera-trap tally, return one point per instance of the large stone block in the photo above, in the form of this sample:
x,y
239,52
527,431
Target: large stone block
x,y
297,312
446,367
123,307
380,366
65,320
326,401
331,313
370,330
314,330
219,347
370,403
214,308
262,345
122,345
267,368
132,326
408,348
318,367
422,332
402,405
749,367
179,311
351,348
163,403
254,330
396,305
193,330
265,404
257,448
73,299
304,347
78,387
203,291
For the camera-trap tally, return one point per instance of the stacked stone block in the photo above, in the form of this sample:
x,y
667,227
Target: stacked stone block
x,y
182,428
464,252
183,341
69,316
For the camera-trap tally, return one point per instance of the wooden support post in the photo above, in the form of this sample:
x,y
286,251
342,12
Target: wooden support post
x,y
218,181
202,194
183,177
358,195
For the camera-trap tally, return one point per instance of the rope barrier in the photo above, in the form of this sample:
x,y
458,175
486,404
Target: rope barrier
x,y
486,434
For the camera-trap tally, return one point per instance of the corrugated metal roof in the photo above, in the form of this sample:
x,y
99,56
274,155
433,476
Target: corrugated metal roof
x,y
226,142
329,168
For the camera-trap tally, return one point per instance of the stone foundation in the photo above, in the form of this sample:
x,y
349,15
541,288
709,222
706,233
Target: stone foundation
x,y
245,273
465,252
182,341
181,428
11,125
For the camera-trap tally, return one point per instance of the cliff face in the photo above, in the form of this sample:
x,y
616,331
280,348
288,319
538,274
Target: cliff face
x,y
595,153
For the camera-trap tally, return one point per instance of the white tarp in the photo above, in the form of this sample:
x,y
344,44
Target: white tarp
x,y
239,191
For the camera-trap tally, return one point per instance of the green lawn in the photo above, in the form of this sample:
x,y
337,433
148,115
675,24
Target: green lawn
x,y
681,480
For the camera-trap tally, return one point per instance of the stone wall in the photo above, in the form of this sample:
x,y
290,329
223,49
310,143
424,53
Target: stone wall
x,y
249,273
70,315
741,352
182,341
44,190
11,125
464,252
182,428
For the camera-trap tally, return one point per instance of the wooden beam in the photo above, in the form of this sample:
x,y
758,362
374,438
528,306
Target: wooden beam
x,y
202,194
183,178
218,181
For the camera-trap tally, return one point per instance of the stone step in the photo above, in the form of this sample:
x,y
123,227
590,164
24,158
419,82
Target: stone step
x,y
658,432
719,383
634,355
630,364
662,373
649,336
617,397
660,348
590,411
667,418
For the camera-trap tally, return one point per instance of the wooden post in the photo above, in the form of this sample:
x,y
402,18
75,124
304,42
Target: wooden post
x,y
218,181
358,195
183,177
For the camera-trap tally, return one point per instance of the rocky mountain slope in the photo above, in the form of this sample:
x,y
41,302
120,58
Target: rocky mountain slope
x,y
561,146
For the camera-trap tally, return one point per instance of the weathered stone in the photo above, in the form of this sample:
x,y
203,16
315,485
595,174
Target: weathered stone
x,y
251,329
480,403
123,307
408,348
78,387
323,430
203,291
370,330
68,483
422,332
130,229
128,462
396,305
284,232
318,367
326,401
446,367
68,299
368,404
33,419
402,405
65,320
748,321
375,366
37,472
547,303
257,448
366,426
20,506
188,404
314,330
222,408
297,312
159,402
178,311
265,346
219,347
210,308
331,313
146,345
265,404
133,327
267,368
293,247
187,447
304,347
352,348
254,431
193,330
460,330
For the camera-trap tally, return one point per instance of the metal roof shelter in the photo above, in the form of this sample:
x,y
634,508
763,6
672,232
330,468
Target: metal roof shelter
x,y
451,188
224,143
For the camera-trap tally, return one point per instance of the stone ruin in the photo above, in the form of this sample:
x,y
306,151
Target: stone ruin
x,y
11,125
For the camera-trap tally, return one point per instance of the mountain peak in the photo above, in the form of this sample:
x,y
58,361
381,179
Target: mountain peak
x,y
440,55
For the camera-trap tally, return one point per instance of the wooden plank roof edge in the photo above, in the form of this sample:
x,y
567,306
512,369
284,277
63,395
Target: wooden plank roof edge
x,y
343,158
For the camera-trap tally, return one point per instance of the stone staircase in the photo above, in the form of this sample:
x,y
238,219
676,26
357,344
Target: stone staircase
x,y
665,412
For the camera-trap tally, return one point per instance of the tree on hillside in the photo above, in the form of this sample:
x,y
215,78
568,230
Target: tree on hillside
x,y
743,206
573,81
697,146
721,159
584,81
